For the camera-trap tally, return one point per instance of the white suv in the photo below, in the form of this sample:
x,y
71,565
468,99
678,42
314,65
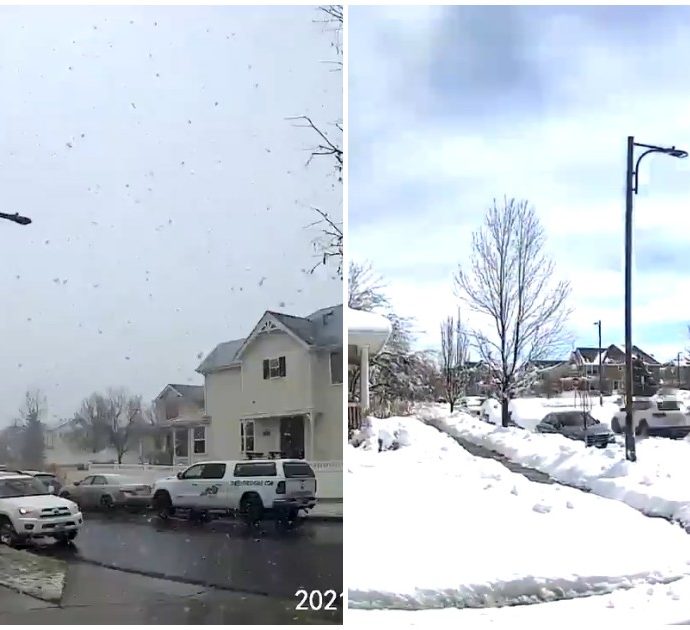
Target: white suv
x,y
251,489
29,510
663,415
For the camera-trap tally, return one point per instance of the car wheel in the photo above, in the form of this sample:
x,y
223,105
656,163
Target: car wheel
x,y
251,509
8,535
642,429
615,426
163,505
107,502
66,538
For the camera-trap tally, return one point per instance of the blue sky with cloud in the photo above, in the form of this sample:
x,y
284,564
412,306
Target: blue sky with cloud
x,y
451,107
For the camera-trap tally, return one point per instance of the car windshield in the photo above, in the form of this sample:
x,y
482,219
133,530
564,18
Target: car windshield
x,y
575,419
22,487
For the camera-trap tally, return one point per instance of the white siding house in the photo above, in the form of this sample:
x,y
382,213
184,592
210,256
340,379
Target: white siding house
x,y
279,391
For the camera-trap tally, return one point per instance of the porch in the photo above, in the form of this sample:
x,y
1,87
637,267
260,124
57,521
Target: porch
x,y
367,334
276,437
185,441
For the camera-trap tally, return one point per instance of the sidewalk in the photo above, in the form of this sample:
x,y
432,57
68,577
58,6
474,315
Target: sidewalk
x,y
327,510
98,596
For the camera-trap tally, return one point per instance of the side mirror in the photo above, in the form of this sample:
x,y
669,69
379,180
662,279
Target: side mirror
x,y
179,475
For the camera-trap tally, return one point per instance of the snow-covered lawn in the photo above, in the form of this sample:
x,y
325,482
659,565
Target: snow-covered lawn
x,y
657,484
436,527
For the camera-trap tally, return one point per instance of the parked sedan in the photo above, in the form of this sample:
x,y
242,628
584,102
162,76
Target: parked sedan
x,y
108,491
577,425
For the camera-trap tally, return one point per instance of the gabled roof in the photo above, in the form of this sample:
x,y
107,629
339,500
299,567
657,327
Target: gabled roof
x,y
613,354
320,329
223,355
546,363
588,354
195,393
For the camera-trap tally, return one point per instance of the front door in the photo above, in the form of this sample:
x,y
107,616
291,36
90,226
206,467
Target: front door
x,y
181,436
292,436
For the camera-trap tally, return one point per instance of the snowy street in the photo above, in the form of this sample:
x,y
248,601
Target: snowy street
x,y
438,528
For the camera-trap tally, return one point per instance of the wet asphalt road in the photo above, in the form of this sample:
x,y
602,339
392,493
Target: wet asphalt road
x,y
221,554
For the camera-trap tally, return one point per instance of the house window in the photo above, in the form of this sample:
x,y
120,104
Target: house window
x,y
49,440
336,367
274,368
199,440
247,436
172,409
181,445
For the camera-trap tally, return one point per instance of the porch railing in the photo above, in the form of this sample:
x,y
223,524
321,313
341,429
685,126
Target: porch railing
x,y
354,416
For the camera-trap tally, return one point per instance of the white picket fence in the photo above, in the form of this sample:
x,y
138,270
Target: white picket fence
x,y
329,475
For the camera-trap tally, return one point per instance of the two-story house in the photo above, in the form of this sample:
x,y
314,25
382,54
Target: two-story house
x,y
278,391
586,362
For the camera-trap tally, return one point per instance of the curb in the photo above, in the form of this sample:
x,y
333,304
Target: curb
x,y
324,518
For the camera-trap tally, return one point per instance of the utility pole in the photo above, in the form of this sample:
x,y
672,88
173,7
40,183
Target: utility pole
x,y
601,376
678,369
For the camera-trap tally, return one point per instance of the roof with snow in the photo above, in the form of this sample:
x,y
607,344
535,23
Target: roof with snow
x,y
321,329
613,354
365,328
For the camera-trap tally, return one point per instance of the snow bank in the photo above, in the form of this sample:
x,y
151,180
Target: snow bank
x,y
437,527
379,434
641,606
39,576
657,484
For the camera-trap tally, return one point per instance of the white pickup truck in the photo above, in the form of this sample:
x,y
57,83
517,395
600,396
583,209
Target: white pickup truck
x,y
252,489
29,510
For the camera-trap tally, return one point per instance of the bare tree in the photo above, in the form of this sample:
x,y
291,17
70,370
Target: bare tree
x,y
329,244
399,375
90,424
454,357
365,288
125,420
510,281
33,446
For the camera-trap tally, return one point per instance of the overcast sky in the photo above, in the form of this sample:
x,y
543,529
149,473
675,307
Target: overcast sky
x,y
170,196
453,106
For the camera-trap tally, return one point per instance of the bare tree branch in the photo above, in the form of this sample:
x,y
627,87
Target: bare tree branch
x,y
454,357
510,282
365,288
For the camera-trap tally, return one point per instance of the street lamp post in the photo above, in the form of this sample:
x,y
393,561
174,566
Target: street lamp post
x,y
16,218
601,394
678,369
630,189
